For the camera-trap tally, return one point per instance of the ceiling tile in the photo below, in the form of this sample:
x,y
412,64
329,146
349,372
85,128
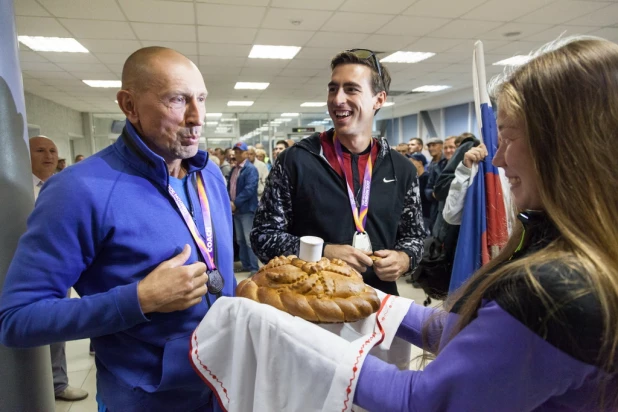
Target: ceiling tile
x,y
47,66
442,8
50,75
300,73
30,56
106,75
413,26
230,16
452,57
432,44
259,71
501,10
343,41
39,26
97,29
274,63
526,29
465,29
84,67
372,6
111,46
517,47
29,8
239,2
562,11
468,45
112,58
222,61
309,64
558,31
382,42
608,33
165,32
317,53
84,9
283,37
184,47
606,16
237,35
153,11
311,5
357,22
69,57
283,18
218,49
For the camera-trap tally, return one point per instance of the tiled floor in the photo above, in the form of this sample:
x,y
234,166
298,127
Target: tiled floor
x,y
82,371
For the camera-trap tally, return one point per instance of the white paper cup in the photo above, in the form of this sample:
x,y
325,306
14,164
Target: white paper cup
x,y
310,248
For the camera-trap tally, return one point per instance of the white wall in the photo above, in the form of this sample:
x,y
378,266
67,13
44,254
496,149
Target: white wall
x,y
57,122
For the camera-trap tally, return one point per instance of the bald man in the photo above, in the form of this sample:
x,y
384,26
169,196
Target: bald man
x,y
44,161
119,227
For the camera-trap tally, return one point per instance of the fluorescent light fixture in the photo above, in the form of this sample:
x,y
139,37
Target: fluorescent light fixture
x,y
104,83
214,114
116,101
289,114
328,119
53,44
431,88
251,85
240,103
407,57
264,128
212,123
514,61
282,120
313,104
273,52
387,104
228,119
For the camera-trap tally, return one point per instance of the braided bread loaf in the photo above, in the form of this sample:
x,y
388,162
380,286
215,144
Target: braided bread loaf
x,y
328,291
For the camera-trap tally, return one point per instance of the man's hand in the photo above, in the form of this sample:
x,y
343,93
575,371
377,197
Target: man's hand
x,y
172,286
233,206
358,259
475,155
393,264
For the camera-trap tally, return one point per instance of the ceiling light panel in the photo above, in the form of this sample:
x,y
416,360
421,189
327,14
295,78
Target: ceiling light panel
x,y
513,61
273,52
240,103
53,44
251,86
431,88
104,83
407,57
313,104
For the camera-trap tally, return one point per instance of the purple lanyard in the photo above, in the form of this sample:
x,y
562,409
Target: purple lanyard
x,y
360,217
206,247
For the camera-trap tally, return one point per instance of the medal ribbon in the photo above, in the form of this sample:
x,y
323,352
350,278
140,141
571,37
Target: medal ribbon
x,y
206,246
360,216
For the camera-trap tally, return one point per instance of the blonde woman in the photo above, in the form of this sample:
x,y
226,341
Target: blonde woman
x,y
536,328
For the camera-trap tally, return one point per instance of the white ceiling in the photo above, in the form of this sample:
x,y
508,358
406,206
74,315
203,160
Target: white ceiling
x,y
218,34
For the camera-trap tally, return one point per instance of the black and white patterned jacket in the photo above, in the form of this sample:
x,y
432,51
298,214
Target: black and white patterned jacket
x,y
304,196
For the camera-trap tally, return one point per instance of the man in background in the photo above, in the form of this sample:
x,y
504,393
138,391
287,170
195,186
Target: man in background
x,y
78,158
224,165
415,145
44,159
402,148
261,168
244,202
62,163
280,146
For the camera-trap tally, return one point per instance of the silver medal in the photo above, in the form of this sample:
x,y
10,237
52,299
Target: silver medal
x,y
361,242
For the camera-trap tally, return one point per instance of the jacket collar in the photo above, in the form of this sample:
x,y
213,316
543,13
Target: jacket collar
x,y
312,143
134,151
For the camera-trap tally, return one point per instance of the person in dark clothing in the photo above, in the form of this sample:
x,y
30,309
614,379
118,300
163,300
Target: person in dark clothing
x,y
316,186
420,161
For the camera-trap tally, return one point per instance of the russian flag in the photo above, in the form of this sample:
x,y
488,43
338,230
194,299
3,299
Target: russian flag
x,y
483,229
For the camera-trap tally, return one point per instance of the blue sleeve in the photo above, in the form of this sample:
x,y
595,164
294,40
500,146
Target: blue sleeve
x,y
431,183
61,241
249,188
416,320
494,364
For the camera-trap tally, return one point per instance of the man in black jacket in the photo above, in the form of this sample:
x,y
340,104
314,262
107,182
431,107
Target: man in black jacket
x,y
320,185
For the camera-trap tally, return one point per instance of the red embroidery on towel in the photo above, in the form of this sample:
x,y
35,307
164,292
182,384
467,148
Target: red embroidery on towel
x,y
206,380
362,350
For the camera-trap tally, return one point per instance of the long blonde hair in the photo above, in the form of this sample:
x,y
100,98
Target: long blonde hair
x,y
567,97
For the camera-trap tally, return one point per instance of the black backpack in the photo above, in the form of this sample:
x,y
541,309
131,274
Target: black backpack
x,y
433,273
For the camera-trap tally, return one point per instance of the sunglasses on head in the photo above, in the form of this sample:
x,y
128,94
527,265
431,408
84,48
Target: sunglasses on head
x,y
366,54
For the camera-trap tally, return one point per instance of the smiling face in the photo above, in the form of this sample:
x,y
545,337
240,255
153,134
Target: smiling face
x,y
515,157
435,149
44,157
169,112
351,103
449,148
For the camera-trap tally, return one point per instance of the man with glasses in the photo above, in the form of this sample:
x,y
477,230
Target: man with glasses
x,y
346,187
